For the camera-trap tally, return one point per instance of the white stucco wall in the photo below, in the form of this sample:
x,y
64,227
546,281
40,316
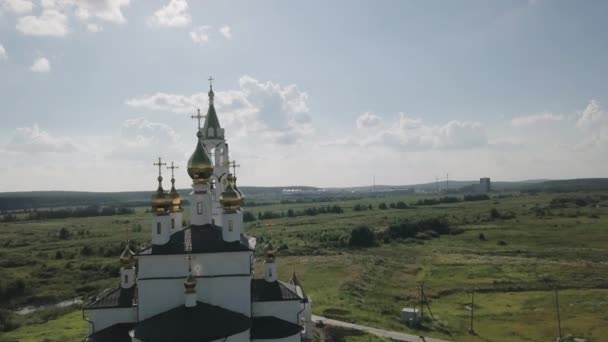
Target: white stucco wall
x,y
103,318
293,338
165,229
203,264
287,310
159,295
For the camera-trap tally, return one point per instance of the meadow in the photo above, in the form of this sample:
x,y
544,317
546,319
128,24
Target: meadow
x,y
513,249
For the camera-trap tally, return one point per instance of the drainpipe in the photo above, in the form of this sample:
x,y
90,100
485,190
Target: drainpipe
x,y
88,320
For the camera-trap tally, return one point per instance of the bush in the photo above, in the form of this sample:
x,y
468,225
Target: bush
x,y
362,236
401,205
494,213
64,234
482,237
502,243
382,206
248,216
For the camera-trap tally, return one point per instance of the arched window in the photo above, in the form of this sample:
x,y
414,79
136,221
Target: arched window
x,y
230,225
157,227
172,223
199,208
126,278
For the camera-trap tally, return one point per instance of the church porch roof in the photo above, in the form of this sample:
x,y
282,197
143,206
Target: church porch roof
x,y
116,298
115,333
269,327
203,322
263,291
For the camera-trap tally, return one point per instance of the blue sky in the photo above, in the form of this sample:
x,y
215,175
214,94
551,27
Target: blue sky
x,y
310,92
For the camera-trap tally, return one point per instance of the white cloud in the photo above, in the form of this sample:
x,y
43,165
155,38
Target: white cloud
x,y
226,31
17,6
35,140
94,27
3,55
530,120
50,23
108,10
173,14
593,123
411,134
140,138
368,120
41,65
256,109
200,35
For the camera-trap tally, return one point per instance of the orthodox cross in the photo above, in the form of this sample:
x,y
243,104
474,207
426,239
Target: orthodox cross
x,y
189,258
210,82
234,165
172,167
160,164
128,237
198,116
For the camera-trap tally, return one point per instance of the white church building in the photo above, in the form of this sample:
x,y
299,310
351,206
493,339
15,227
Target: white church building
x,y
196,283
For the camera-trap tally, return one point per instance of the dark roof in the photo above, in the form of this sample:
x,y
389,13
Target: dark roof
x,y
115,333
268,327
205,239
263,291
296,282
116,298
211,121
204,322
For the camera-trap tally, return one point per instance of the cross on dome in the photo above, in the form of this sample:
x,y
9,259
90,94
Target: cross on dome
x,y
159,164
210,82
198,116
172,167
233,165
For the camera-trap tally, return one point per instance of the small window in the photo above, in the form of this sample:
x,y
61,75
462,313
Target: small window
x,y
157,227
230,225
172,223
213,195
126,278
270,272
199,208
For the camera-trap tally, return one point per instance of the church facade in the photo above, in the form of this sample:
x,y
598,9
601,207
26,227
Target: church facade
x,y
196,283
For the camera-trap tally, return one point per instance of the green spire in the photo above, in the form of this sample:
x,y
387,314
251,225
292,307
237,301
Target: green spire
x,y
212,128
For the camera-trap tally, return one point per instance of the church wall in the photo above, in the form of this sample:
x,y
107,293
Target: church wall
x,y
207,264
285,310
103,318
159,295
293,338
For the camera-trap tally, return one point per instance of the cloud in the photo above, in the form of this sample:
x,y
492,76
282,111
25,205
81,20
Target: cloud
x,y
3,55
94,27
35,140
368,120
41,65
107,10
267,110
142,138
530,120
409,134
17,6
173,14
593,123
50,23
200,35
226,31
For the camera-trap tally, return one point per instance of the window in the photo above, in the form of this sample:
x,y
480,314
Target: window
x,y
199,208
157,227
172,223
270,273
230,225
126,278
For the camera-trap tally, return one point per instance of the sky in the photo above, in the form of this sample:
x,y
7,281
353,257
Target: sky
x,y
312,92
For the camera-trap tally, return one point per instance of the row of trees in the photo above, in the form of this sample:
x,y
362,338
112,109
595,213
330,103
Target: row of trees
x,y
88,211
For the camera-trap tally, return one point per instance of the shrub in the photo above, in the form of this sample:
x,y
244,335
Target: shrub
x,y
494,213
382,206
502,243
64,234
482,237
248,216
362,236
401,205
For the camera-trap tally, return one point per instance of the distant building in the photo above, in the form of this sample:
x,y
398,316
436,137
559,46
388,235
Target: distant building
x,y
484,185
409,315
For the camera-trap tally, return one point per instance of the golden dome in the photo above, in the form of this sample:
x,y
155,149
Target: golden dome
x,y
231,199
269,253
190,283
127,256
200,167
160,201
176,200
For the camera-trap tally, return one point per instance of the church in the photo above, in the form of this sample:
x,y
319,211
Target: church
x,y
196,283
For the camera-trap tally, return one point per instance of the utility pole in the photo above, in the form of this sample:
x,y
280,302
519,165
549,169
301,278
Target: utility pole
x,y
559,321
471,330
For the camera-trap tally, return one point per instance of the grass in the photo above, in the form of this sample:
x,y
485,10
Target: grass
x,y
564,246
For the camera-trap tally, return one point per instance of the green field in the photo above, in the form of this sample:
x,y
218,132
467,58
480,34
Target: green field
x,y
530,245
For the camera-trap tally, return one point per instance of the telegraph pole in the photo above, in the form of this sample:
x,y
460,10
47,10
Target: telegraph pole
x,y
471,330
559,321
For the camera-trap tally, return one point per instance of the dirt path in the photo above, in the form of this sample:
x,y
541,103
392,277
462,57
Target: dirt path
x,y
394,335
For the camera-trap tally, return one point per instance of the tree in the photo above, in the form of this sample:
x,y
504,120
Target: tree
x,y
64,234
362,236
382,206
